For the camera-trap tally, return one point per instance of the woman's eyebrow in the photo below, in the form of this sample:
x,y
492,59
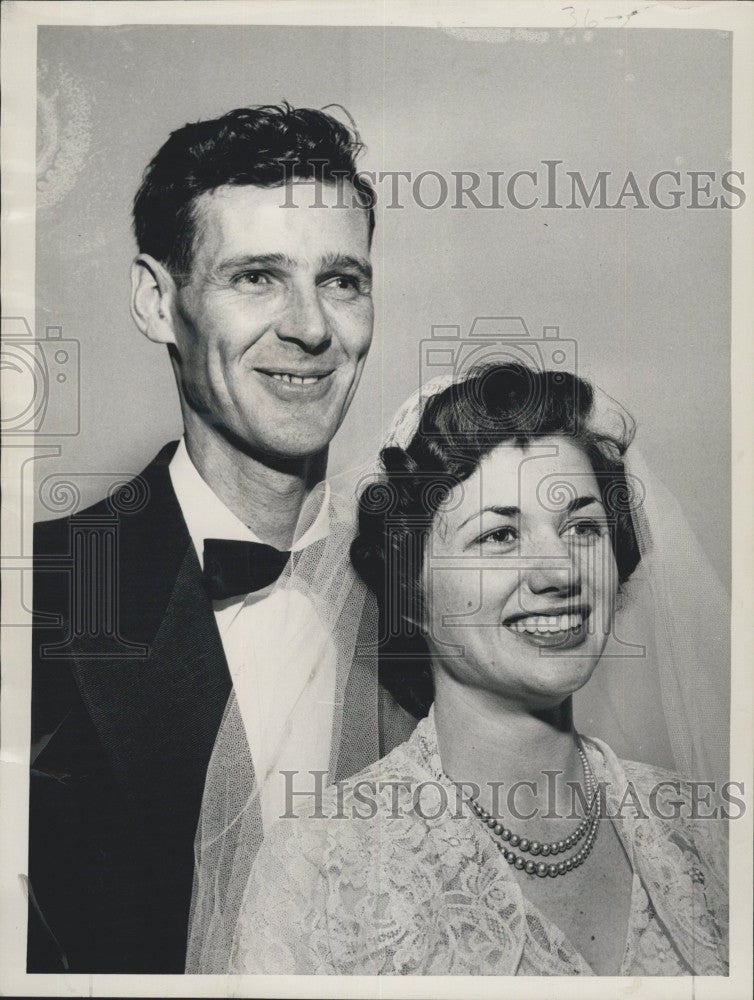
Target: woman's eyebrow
x,y
576,504
579,502
493,509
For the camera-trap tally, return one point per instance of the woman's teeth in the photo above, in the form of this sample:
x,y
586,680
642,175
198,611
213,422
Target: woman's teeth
x,y
543,624
296,379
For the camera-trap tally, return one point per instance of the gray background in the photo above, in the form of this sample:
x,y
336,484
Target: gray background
x,y
644,293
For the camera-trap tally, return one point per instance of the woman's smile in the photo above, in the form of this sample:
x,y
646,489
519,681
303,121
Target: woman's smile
x,y
562,630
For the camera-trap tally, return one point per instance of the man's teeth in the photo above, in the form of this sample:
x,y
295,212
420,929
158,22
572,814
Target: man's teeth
x,y
543,624
296,379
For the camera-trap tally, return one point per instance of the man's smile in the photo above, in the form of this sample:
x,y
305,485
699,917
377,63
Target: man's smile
x,y
302,376
297,379
293,384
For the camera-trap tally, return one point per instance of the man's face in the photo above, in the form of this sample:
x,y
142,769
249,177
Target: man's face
x,y
273,326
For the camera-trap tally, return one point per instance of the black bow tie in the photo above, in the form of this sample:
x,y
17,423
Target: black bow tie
x,y
232,568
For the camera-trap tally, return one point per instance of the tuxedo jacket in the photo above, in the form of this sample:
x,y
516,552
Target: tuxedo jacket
x,y
129,686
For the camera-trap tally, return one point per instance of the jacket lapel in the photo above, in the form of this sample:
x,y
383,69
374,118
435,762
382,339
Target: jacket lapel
x,y
157,716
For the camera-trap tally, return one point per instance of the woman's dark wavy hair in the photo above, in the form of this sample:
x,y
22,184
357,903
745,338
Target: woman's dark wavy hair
x,y
493,404
265,146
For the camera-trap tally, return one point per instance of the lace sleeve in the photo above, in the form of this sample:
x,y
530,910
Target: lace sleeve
x,y
282,925
710,844
684,861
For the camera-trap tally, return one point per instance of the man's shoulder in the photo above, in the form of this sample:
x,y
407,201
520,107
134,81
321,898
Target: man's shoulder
x,y
52,535
138,528
146,493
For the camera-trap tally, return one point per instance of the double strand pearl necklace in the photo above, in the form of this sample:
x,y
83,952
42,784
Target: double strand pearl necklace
x,y
587,829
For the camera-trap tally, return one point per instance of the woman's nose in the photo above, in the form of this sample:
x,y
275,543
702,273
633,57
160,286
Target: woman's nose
x,y
553,569
304,321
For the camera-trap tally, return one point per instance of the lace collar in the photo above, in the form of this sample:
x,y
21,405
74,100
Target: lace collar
x,y
679,861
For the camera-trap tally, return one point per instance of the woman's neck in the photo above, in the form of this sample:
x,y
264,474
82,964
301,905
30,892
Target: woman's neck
x,y
520,759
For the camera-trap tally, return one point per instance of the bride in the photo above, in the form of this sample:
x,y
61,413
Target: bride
x,y
499,539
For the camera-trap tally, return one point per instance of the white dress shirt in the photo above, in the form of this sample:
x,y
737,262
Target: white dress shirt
x,y
281,659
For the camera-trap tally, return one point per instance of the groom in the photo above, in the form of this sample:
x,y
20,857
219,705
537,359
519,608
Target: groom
x,y
254,236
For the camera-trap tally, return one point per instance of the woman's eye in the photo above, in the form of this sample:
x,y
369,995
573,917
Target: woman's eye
x,y
500,536
586,530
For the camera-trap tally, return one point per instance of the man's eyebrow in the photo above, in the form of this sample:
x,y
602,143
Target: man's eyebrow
x,y
329,263
256,262
346,262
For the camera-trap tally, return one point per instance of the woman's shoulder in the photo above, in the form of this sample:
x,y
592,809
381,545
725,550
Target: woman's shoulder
x,y
650,777
654,779
414,760
354,812
677,838
685,814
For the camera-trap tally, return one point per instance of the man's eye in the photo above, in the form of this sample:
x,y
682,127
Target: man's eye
x,y
586,530
253,278
343,286
500,536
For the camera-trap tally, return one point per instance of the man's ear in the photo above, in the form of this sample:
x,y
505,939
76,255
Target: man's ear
x,y
152,297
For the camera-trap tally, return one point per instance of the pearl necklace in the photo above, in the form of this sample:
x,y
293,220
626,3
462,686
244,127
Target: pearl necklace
x,y
587,829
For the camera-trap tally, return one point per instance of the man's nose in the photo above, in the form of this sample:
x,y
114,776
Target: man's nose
x,y
304,321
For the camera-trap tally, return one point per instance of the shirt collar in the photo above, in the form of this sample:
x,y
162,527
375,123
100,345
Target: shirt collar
x,y
206,516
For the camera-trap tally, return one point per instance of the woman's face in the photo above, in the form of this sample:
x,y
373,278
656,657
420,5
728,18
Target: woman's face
x,y
519,574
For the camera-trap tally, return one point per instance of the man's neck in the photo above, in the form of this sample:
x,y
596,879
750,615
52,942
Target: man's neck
x,y
265,496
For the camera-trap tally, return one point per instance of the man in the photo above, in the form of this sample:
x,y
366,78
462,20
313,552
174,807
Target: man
x,y
254,234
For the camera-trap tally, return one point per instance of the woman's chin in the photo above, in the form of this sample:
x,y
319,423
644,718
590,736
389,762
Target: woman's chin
x,y
554,678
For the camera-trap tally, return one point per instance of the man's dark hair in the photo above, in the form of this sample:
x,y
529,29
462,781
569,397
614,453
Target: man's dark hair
x,y
492,405
265,146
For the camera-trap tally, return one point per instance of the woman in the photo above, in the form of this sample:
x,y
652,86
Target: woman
x,y
497,839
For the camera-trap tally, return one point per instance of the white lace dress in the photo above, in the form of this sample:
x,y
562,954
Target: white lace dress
x,y
400,894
